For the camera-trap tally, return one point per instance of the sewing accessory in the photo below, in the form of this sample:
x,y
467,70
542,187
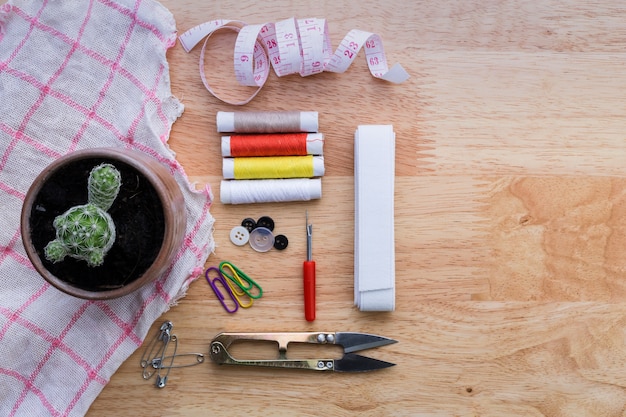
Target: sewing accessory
x,y
154,359
248,223
156,349
277,144
350,362
239,235
241,279
270,191
157,363
261,239
374,256
290,46
267,122
237,284
265,221
308,272
161,380
272,167
238,293
280,242
218,293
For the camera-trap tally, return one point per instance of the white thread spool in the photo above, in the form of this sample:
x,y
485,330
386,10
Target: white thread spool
x,y
270,191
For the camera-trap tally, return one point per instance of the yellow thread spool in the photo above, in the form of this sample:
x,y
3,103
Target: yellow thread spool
x,y
273,167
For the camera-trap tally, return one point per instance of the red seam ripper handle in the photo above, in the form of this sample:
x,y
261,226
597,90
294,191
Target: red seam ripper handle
x,y
309,290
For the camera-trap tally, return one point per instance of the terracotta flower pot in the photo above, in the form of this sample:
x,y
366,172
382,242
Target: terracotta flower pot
x,y
149,215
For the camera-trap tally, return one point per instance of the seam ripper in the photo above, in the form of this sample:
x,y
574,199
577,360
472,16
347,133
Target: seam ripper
x,y
309,275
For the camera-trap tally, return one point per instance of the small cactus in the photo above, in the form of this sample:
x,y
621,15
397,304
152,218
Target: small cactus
x,y
87,231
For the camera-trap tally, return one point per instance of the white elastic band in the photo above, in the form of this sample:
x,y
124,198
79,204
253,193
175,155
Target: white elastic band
x,y
374,257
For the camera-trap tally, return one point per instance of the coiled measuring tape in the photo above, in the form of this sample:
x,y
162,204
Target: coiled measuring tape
x,y
291,46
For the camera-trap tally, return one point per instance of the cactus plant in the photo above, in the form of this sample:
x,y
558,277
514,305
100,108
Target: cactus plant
x,y
87,232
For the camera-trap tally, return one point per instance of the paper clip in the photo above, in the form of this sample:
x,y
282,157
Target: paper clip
x,y
240,279
220,296
238,292
236,284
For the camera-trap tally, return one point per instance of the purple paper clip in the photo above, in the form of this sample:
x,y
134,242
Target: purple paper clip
x,y
217,291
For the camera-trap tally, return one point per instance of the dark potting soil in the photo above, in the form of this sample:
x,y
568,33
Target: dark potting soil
x,y
137,213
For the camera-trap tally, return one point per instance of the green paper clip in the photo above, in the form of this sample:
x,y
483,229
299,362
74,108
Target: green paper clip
x,y
241,280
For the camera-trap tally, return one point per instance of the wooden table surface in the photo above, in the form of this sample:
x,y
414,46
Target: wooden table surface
x,y
510,216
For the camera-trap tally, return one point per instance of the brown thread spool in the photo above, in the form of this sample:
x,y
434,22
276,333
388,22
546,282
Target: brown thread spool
x,y
267,122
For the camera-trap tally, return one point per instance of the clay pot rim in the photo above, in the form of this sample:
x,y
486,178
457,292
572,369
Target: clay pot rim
x,y
138,161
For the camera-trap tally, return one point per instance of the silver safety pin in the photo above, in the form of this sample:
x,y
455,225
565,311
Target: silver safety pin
x,y
161,380
158,358
158,362
156,350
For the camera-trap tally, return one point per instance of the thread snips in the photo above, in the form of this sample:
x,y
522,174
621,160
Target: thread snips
x,y
350,341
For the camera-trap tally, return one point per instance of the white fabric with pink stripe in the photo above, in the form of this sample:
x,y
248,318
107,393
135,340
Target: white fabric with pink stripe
x,y
75,75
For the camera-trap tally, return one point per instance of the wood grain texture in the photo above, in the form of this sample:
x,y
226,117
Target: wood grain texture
x,y
510,216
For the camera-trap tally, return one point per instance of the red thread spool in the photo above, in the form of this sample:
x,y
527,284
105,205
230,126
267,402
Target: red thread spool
x,y
279,144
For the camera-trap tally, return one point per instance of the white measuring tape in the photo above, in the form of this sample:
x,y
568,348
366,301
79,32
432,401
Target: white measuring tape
x,y
291,46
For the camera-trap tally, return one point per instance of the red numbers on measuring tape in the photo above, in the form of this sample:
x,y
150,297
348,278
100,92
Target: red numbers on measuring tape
x,y
275,43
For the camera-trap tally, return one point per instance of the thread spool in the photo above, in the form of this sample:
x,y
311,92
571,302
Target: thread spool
x,y
275,144
272,167
267,122
270,191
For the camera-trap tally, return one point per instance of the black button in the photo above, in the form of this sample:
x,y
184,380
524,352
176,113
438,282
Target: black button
x,y
280,242
266,222
249,224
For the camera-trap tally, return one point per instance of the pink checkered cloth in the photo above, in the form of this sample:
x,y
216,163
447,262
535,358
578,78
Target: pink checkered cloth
x,y
74,75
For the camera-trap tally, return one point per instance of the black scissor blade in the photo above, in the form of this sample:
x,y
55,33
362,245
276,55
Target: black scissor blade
x,y
353,342
352,362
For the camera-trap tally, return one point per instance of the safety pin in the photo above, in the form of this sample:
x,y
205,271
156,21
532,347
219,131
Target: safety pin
x,y
164,335
161,381
146,373
217,291
158,362
241,277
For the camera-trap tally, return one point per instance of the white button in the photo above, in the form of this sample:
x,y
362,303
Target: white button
x,y
239,235
261,239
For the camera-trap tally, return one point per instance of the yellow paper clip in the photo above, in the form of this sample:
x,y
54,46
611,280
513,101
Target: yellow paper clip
x,y
237,291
